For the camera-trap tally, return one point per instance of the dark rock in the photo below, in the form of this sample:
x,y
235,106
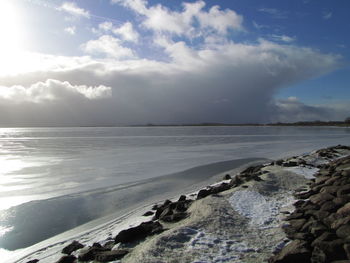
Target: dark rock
x,y
290,164
182,198
236,181
252,169
347,250
339,222
304,195
295,216
279,162
227,177
67,259
317,229
33,261
343,231
148,213
166,212
90,253
75,245
318,256
139,232
107,256
343,190
326,236
344,210
203,193
330,189
321,198
220,188
333,249
174,217
341,200
96,244
296,251
329,206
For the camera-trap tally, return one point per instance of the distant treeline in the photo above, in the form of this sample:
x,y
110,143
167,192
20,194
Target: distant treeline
x,y
345,123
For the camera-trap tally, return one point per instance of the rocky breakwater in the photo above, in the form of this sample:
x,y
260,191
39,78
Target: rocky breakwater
x,y
319,227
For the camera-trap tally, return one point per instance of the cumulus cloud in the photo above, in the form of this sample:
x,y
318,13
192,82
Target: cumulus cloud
x,y
125,31
161,19
70,30
108,46
52,90
73,9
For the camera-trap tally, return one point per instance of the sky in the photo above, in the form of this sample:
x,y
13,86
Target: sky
x,y
127,62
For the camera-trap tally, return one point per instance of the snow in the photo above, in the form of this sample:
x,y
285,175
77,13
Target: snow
x,y
226,250
255,206
307,172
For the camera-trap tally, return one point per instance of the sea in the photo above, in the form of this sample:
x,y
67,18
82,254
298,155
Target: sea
x,y
56,179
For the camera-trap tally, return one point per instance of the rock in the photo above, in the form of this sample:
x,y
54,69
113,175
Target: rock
x,y
203,193
347,250
296,251
107,256
326,236
227,177
341,200
96,244
321,198
252,169
343,190
236,181
33,261
344,210
290,164
75,245
333,249
295,216
329,206
339,222
148,213
139,232
318,256
297,224
67,259
174,217
304,195
329,189
343,231
279,162
220,188
90,253
182,198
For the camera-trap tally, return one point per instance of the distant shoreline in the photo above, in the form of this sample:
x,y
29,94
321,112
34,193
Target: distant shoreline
x,y
278,124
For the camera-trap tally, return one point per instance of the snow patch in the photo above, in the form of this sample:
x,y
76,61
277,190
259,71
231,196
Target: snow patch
x,y
216,249
255,206
307,172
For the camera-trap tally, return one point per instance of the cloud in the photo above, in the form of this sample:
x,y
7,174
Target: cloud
x,y
160,19
125,31
283,38
52,90
108,46
327,15
273,12
293,110
70,30
232,83
73,9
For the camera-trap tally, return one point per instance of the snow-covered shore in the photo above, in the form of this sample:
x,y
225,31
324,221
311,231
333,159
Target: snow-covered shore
x,y
241,224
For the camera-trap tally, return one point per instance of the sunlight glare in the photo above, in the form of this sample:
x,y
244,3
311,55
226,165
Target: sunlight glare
x,y
10,35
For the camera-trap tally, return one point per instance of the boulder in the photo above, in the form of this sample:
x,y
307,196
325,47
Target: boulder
x,y
67,259
75,245
182,198
139,232
344,210
148,213
343,190
33,261
107,256
344,231
295,251
329,206
203,193
321,198
318,256
347,250
333,249
90,253
227,177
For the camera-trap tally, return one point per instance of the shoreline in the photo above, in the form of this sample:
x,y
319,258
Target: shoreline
x,y
121,218
141,249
